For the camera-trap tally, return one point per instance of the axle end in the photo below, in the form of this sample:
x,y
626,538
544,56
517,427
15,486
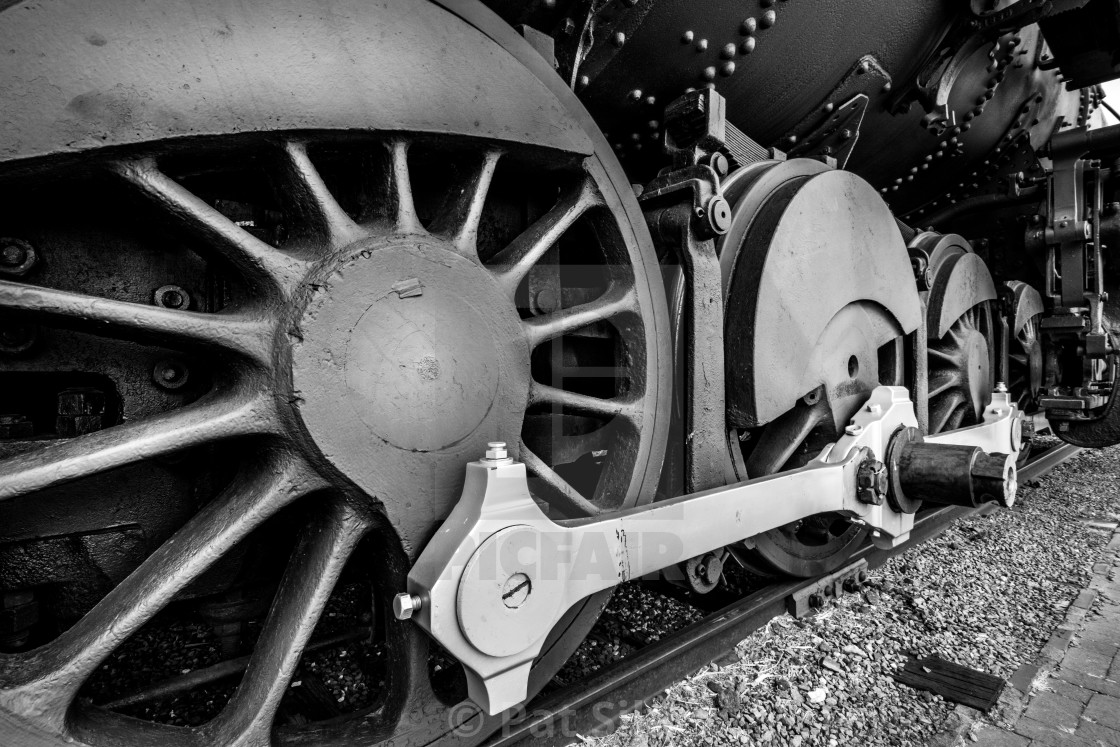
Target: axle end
x,y
995,479
956,475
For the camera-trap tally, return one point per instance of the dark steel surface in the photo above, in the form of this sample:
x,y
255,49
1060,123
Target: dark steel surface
x,y
939,78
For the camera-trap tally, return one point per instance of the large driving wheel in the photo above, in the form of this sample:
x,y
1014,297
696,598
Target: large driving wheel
x,y
961,331
272,311
819,296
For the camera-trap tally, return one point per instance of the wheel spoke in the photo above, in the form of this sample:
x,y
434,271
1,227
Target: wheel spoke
x,y
45,681
955,337
947,356
461,218
942,411
513,263
307,585
239,332
956,417
554,489
263,265
943,381
400,188
215,418
323,218
618,299
628,408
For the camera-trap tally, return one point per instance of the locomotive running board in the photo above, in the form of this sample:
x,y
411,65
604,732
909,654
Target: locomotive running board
x,y
500,574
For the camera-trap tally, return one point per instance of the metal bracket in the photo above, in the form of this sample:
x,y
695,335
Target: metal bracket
x,y
812,598
685,209
837,135
832,129
1001,431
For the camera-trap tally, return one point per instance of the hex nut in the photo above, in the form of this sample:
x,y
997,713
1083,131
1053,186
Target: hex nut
x,y
496,450
871,481
405,605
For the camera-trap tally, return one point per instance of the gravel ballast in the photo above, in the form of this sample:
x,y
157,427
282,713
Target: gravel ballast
x,y
986,594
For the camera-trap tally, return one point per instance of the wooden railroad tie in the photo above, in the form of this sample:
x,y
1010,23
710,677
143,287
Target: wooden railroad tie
x,y
970,687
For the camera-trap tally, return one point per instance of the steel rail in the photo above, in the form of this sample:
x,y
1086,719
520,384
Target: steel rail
x,y
595,705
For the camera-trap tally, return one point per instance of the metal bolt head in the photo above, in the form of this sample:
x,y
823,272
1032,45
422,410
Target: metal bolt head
x,y
12,255
871,482
406,605
17,256
516,590
719,215
17,338
496,450
710,568
170,374
172,297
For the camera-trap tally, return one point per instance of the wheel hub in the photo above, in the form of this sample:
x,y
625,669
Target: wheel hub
x,y
412,358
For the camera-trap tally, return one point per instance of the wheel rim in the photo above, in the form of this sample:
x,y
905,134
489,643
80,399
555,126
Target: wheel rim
x,y
320,432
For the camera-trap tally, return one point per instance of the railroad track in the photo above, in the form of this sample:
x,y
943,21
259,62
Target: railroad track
x,y
594,705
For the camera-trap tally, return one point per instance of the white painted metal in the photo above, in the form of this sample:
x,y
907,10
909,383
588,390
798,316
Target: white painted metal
x,y
1001,432
500,574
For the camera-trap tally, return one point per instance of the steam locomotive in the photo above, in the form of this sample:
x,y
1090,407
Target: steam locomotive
x,y
274,276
